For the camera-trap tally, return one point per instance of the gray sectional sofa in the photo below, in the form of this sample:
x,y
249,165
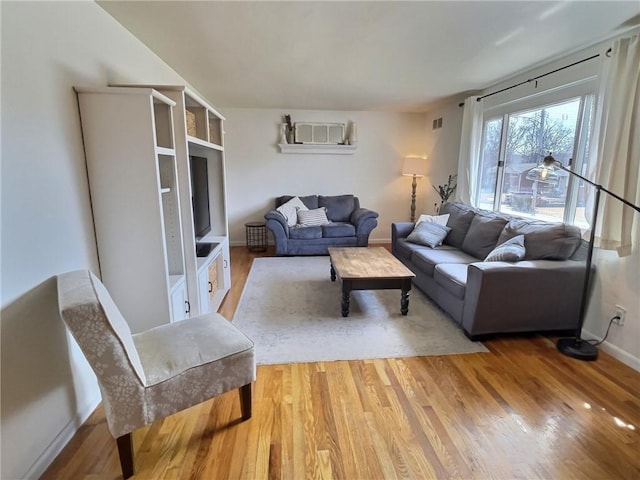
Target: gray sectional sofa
x,y
541,292
348,225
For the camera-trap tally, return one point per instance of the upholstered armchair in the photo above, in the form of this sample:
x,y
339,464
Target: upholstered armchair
x,y
153,374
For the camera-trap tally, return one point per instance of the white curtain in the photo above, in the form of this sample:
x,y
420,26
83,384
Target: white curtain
x,y
617,143
470,144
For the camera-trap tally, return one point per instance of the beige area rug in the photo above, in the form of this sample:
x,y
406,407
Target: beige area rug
x,y
291,309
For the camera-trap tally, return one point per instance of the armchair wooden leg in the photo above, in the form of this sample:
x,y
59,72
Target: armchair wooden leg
x,y
125,451
245,401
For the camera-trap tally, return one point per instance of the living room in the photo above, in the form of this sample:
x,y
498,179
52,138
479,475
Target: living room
x,y
48,389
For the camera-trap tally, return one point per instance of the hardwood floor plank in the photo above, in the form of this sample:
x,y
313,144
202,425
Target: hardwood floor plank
x,y
521,411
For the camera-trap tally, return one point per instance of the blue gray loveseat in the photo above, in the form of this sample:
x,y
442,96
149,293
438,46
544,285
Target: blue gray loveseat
x,y
346,224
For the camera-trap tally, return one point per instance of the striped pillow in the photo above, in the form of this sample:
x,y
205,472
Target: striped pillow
x,y
510,251
310,218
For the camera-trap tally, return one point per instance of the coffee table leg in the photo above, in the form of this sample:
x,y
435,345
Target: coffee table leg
x,y
333,273
404,297
346,293
345,304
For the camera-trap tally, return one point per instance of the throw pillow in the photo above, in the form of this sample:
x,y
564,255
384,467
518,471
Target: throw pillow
x,y
290,210
510,251
310,218
441,219
430,234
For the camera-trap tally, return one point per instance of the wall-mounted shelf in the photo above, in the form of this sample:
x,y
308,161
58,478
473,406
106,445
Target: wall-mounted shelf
x,y
315,148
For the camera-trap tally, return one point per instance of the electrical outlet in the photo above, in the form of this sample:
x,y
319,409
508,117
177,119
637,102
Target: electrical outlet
x,y
622,313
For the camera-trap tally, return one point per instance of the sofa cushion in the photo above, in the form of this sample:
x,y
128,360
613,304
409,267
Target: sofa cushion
x,y
452,277
300,232
338,229
428,233
483,234
426,259
310,218
404,250
460,217
544,241
290,210
311,201
441,219
510,251
339,207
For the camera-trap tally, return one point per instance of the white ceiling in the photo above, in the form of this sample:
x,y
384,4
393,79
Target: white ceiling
x,y
371,55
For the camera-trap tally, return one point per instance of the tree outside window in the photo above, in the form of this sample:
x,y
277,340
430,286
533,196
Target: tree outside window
x,y
510,153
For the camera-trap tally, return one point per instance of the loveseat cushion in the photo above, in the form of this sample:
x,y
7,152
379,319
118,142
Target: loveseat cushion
x,y
311,201
289,210
483,234
544,241
460,217
305,233
427,258
452,277
338,229
339,207
310,218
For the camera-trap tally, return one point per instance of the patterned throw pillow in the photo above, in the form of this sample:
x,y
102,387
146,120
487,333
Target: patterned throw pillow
x,y
441,219
290,210
510,251
310,218
430,234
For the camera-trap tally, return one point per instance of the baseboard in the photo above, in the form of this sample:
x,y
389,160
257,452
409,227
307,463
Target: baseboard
x,y
615,351
243,243
60,441
379,240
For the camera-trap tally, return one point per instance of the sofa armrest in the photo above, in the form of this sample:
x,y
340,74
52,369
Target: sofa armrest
x,y
279,218
365,221
401,230
277,225
535,295
360,215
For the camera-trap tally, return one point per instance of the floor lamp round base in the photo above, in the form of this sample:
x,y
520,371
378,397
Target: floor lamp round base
x,y
577,348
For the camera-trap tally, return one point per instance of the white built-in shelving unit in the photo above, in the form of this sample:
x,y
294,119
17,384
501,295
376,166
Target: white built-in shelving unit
x,y
199,131
138,140
133,179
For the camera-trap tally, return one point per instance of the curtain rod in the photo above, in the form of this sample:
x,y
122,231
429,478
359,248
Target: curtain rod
x,y
539,76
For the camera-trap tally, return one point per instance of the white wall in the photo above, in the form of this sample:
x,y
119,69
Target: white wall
x,y
47,48
443,148
257,172
617,281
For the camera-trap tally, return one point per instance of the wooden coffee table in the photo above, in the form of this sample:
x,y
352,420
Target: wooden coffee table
x,y
369,268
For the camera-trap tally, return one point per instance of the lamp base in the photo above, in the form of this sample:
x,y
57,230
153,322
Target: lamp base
x,y
577,348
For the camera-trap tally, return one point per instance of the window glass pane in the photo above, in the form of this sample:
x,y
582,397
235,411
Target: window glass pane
x,y
581,165
531,135
489,164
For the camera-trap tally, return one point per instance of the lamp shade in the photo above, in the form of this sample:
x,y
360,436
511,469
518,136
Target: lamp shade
x,y
414,166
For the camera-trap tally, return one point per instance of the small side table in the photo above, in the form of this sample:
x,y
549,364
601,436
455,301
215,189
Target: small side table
x,y
256,236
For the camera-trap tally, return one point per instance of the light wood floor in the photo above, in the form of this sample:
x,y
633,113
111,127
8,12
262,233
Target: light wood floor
x,y
522,411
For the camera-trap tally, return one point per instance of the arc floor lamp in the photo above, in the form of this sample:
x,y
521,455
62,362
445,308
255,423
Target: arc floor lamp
x,y
576,347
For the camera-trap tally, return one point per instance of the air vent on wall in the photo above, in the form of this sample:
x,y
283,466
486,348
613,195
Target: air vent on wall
x,y
437,123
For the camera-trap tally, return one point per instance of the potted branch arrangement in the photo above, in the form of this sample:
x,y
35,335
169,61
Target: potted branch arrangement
x,y
445,191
